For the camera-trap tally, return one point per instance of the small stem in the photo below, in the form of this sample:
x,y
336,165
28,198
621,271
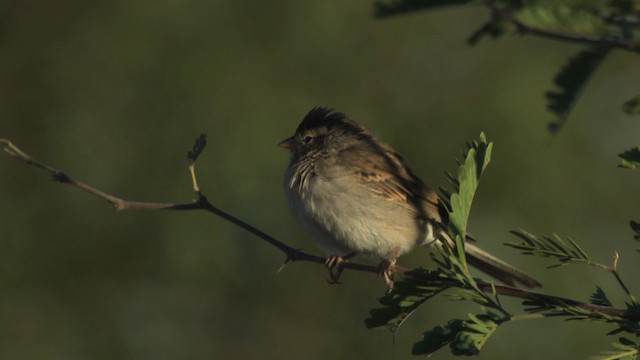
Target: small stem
x,y
532,295
624,287
526,317
599,265
615,273
192,171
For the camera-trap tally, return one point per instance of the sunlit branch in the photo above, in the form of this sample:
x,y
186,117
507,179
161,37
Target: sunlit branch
x,y
292,254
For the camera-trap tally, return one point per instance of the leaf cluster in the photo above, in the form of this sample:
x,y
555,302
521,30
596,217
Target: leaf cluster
x,y
464,336
565,252
630,159
467,336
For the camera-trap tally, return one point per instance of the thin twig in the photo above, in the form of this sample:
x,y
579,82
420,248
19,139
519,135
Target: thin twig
x,y
514,292
532,295
291,253
614,271
201,203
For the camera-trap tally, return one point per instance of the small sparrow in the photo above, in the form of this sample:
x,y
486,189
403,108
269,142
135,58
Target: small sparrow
x,y
355,196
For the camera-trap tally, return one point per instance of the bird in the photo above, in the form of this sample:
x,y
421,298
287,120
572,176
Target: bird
x,y
355,196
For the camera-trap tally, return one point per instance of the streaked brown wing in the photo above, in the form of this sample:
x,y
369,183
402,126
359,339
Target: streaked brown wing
x,y
389,177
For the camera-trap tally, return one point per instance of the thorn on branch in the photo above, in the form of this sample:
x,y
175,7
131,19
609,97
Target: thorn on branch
x,y
61,177
201,200
292,255
286,261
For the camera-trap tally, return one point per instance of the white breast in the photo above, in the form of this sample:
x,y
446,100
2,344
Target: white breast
x,y
343,217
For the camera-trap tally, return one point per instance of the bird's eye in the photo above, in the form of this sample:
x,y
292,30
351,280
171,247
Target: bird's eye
x,y
307,139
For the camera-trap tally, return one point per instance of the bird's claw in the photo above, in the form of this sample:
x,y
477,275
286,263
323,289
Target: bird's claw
x,y
387,268
334,264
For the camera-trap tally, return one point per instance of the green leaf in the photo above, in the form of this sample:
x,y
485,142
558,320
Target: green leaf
x,y
632,106
477,158
198,146
565,251
406,297
464,337
630,159
438,337
600,298
571,80
390,8
578,19
625,349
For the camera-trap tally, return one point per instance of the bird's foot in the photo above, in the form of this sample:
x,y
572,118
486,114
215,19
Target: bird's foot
x,y
334,264
386,269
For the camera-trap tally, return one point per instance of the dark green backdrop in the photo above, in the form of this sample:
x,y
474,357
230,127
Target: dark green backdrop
x,y
115,92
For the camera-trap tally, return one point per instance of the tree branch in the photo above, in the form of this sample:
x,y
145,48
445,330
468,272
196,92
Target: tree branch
x,y
292,254
519,293
201,203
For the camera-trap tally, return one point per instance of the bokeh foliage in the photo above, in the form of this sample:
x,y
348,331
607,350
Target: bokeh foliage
x,y
599,25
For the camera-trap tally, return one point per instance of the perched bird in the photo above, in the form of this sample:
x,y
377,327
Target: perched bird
x,y
355,196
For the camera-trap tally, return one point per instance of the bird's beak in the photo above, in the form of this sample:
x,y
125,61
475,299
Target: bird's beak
x,y
287,143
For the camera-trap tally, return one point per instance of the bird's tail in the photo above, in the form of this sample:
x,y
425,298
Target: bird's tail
x,y
497,268
491,265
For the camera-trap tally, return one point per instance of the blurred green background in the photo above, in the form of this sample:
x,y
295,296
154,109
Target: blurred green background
x,y
115,92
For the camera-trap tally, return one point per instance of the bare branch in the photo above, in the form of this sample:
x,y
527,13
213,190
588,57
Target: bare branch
x,y
62,177
202,203
291,253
